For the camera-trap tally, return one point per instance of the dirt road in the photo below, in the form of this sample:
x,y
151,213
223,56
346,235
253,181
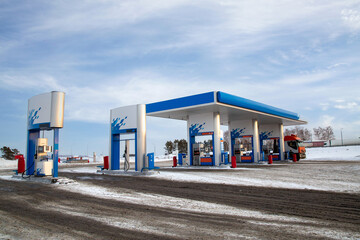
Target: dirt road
x,y
39,211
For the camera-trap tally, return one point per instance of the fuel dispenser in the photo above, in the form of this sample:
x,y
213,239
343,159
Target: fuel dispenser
x,y
197,153
243,149
43,164
270,147
237,152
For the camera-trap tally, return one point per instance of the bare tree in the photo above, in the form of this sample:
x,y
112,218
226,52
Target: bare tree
x,y
329,133
326,133
317,132
303,133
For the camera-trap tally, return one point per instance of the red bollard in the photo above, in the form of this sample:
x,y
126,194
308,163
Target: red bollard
x,y
59,160
174,161
106,162
233,162
294,157
270,160
21,163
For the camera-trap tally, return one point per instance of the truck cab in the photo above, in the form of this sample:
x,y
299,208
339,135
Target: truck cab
x,y
294,144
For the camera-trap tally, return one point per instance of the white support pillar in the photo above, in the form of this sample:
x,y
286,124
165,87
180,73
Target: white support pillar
x,y
188,140
230,145
217,142
256,141
281,142
141,137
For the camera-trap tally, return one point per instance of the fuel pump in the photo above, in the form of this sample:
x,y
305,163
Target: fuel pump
x,y
237,152
127,156
265,151
197,153
43,165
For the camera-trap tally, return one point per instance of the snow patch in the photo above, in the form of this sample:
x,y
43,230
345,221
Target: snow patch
x,y
191,206
8,164
348,153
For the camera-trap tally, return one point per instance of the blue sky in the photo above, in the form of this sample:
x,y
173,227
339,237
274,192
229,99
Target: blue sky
x,y
302,56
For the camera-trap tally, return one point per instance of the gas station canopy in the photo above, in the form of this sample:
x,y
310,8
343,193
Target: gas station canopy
x,y
230,108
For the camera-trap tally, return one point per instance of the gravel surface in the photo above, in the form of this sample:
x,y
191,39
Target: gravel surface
x,y
94,206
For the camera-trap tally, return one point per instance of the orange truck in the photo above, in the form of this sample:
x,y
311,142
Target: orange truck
x,y
294,144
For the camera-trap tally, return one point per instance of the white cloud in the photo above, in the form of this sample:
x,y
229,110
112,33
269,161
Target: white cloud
x,y
336,65
307,78
324,106
351,18
99,15
41,82
327,120
347,105
222,28
93,103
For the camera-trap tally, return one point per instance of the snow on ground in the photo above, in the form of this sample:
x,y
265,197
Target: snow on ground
x,y
307,174
8,164
333,153
339,177
192,206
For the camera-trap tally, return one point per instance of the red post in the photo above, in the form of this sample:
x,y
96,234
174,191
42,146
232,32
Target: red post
x,y
294,157
21,163
233,162
106,162
174,161
270,160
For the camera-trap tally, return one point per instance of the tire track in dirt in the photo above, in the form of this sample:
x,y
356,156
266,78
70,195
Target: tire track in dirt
x,y
20,200
342,208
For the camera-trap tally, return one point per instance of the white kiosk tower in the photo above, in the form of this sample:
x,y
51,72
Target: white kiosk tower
x,y
45,113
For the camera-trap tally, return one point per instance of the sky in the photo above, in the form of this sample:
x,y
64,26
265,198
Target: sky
x,y
302,56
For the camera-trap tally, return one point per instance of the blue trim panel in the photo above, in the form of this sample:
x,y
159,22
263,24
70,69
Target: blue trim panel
x,y
131,130
41,126
33,135
249,104
115,151
206,164
56,152
181,102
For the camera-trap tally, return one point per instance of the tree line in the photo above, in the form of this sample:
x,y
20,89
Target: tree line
x,y
180,145
319,133
9,153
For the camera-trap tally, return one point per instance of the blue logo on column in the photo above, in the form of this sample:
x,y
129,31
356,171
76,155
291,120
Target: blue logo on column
x,y
33,115
196,128
117,123
237,132
265,135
